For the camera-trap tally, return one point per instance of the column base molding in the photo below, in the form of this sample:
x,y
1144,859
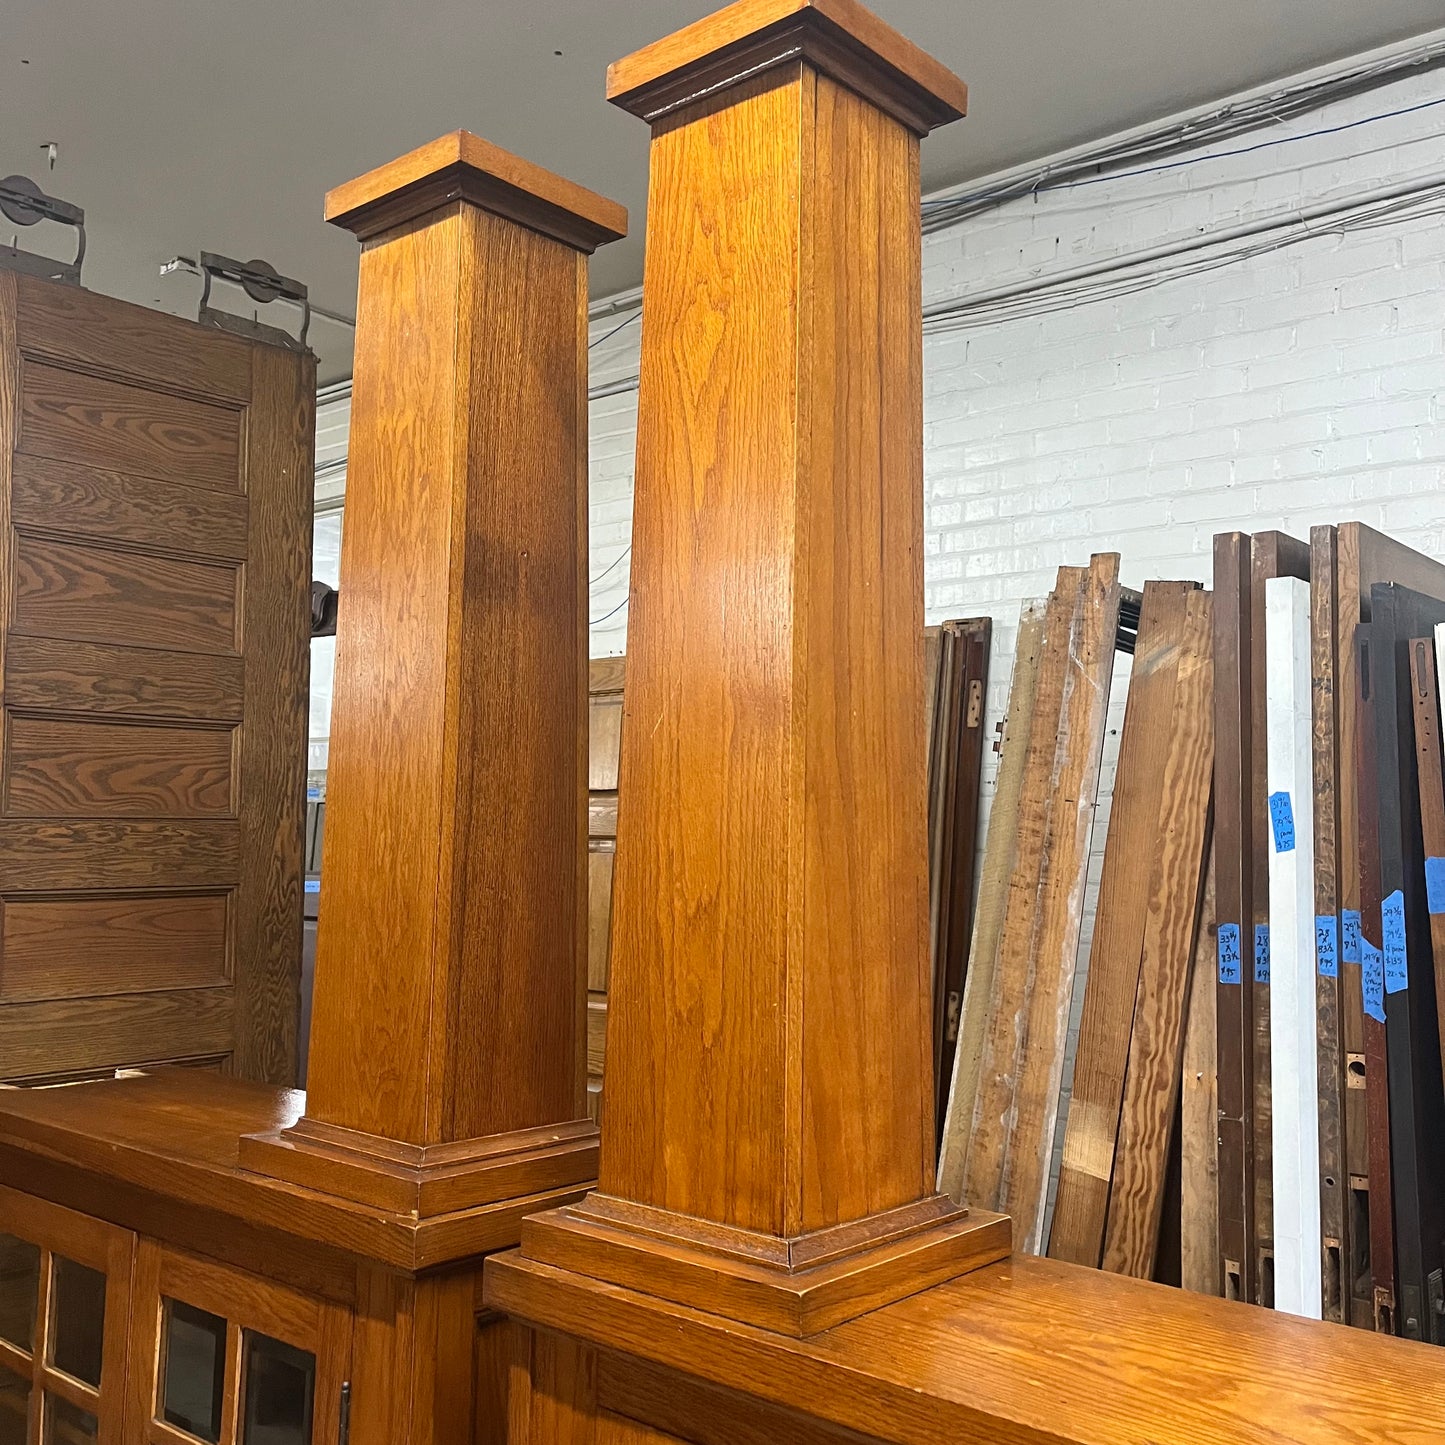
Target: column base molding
x,y
425,1180
792,1286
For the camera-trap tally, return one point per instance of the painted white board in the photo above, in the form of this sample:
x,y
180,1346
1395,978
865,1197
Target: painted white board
x,y
1294,1075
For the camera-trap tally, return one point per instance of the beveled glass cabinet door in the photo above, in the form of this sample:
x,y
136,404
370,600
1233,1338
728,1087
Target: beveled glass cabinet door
x,y
65,1288
222,1357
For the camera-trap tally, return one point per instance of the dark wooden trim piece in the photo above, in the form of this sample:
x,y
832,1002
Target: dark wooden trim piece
x,y
1417,1103
1234,886
1377,1093
1335,1245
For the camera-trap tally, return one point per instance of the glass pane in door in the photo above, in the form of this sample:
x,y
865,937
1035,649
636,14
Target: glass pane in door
x,y
279,1387
19,1286
78,1311
14,1405
193,1372
65,1424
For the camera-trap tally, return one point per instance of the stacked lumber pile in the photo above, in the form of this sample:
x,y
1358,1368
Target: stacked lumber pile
x,y
1003,1109
1257,1106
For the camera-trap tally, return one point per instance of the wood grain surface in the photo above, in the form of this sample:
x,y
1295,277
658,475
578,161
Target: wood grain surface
x,y
1199,1111
788,960
155,501
1000,854
1167,950
1102,1052
1023,1067
1340,1264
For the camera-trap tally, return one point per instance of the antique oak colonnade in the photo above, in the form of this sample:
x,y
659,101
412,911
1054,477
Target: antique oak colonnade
x,y
766,1256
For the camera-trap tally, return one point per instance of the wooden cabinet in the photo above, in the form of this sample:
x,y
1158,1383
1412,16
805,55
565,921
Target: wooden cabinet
x,y
65,1291
105,1338
224,1357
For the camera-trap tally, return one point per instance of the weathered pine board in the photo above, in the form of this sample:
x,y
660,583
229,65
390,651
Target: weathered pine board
x,y
1273,554
1000,853
1005,1015
1081,1204
1178,858
1199,1114
1294,1064
1338,1265
1070,782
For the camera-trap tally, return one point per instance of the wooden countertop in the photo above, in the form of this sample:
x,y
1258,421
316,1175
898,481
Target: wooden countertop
x,y
1029,1352
157,1153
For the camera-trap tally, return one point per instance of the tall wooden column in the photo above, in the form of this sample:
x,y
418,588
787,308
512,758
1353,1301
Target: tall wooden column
x,y
447,1064
768,1151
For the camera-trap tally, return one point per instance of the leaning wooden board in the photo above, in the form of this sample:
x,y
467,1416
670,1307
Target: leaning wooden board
x,y
1425,676
1199,1114
1364,557
1398,617
1234,883
1102,1053
1000,853
1294,1063
1178,857
1343,1272
958,755
1022,1067
1272,554
1372,991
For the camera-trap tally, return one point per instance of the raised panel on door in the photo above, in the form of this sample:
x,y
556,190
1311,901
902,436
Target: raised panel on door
x,y
155,525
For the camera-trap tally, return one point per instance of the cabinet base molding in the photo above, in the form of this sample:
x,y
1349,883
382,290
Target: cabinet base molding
x,y
792,1286
425,1180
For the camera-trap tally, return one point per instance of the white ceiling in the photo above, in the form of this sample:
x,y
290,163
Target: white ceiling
x,y
184,126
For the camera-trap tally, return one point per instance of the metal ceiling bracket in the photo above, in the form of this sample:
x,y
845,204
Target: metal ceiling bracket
x,y
25,204
262,283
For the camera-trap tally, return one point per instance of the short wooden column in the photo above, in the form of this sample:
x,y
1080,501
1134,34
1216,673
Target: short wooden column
x,y
447,1064
768,1151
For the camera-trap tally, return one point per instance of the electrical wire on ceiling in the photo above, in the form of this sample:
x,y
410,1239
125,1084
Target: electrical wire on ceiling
x,y
1148,146
1132,272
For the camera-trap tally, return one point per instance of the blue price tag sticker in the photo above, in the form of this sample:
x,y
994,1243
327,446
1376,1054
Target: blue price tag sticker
x,y
1372,980
313,795
313,885
1350,935
1261,953
1281,817
1327,941
1435,884
1392,926
1229,971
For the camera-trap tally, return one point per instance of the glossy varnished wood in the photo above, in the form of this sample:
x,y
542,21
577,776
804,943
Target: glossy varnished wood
x,y
1030,1352
769,1100
775,867
463,166
837,37
449,986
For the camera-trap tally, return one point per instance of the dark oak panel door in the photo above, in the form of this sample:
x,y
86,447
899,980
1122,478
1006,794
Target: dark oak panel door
x,y
155,508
